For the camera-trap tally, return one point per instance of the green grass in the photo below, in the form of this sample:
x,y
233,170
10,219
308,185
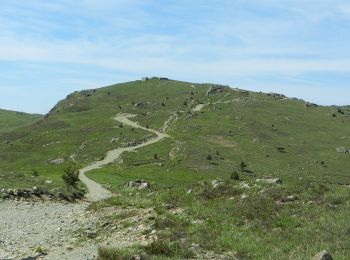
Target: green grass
x,y
257,227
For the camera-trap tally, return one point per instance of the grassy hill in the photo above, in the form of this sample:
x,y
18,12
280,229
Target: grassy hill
x,y
10,120
214,131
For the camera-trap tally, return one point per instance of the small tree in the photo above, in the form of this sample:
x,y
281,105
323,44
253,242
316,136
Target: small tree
x,y
209,157
155,156
71,177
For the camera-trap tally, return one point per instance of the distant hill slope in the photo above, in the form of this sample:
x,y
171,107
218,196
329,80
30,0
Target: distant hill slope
x,y
10,120
213,129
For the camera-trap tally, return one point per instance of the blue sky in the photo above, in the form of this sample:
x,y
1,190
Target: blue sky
x,y
48,49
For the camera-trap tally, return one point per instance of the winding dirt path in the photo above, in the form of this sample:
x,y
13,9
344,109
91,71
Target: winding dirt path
x,y
96,191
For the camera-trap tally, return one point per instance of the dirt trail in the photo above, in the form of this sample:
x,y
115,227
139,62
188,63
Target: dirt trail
x,y
96,191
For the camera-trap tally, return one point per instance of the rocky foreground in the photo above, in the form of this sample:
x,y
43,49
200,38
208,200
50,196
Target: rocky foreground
x,y
57,230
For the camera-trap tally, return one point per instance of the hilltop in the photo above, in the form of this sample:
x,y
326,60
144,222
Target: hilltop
x,y
251,171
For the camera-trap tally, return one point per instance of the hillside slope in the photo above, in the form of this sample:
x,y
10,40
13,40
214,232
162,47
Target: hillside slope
x,y
10,120
207,178
272,134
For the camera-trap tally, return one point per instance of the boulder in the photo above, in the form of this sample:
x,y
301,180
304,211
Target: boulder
x,y
323,255
270,181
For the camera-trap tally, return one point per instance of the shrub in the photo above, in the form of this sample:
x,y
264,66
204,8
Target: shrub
x,y
209,157
71,177
160,247
35,173
243,166
235,176
108,253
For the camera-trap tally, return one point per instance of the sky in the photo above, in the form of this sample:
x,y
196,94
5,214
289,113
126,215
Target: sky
x,y
48,49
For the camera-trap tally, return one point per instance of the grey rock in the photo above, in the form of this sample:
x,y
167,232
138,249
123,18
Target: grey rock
x,y
140,184
91,234
215,89
114,140
307,104
57,161
216,183
323,255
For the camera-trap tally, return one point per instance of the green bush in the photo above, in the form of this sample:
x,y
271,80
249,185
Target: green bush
x,y
71,177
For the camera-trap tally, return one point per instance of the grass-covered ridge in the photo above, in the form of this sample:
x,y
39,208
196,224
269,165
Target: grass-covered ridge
x,y
10,120
272,134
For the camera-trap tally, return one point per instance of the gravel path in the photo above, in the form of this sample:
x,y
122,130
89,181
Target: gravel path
x,y
95,190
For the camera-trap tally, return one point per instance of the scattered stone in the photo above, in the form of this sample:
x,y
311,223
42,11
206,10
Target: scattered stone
x,y
141,104
168,206
114,139
323,255
189,191
91,234
244,196
57,161
140,184
48,182
270,181
216,183
343,150
244,185
290,198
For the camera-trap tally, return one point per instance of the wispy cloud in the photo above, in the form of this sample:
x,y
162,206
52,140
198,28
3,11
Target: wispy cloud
x,y
198,40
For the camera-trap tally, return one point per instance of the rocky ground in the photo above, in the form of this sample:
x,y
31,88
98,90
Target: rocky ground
x,y
65,230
